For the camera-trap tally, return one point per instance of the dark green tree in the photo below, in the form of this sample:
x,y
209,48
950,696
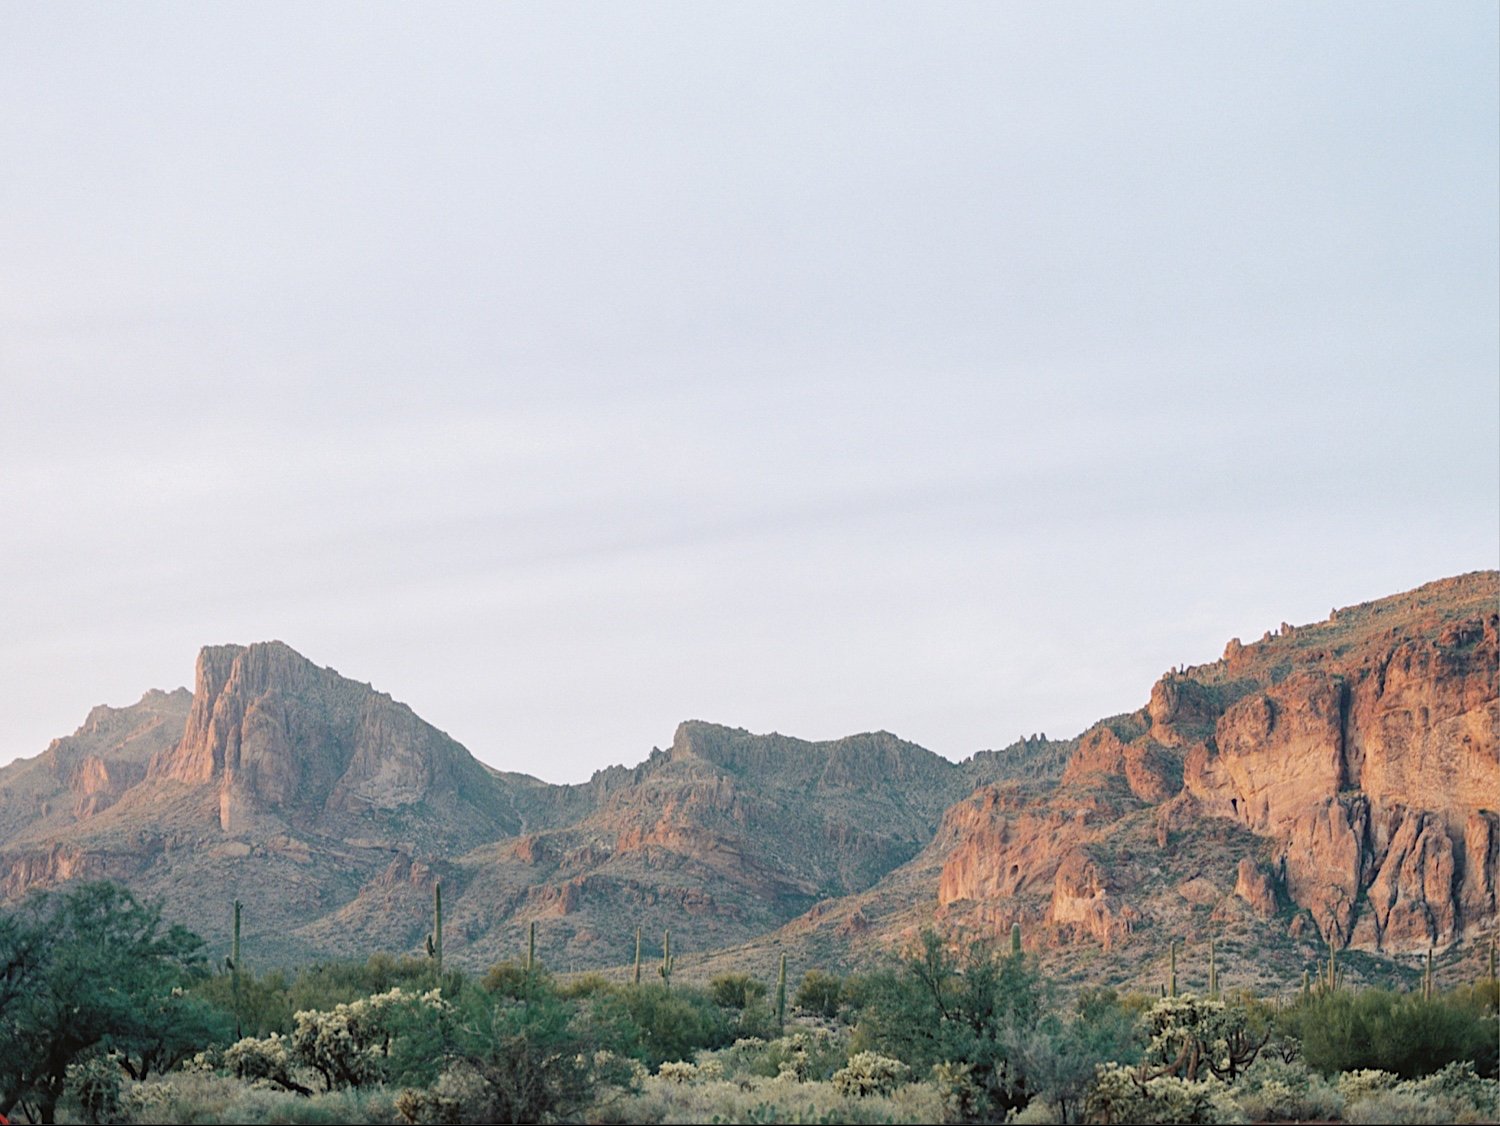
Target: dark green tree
x,y
947,1006
820,994
92,969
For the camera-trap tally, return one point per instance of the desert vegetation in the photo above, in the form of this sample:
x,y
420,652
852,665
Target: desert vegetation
x,y
109,1015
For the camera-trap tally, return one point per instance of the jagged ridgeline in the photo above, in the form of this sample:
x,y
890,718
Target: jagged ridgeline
x,y
332,812
1332,784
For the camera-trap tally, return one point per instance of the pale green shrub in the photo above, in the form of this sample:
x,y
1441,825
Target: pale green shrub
x,y
182,1098
1274,1088
762,1100
1356,1086
1400,1108
1038,1112
1459,1085
1455,1093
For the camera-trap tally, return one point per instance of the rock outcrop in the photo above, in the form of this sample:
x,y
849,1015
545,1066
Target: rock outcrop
x,y
1363,750
276,735
1255,886
1082,900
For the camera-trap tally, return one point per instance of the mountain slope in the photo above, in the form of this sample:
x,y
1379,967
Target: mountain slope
x,y
1332,783
332,811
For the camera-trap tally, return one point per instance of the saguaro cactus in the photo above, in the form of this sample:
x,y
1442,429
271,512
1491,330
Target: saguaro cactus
x,y
531,947
665,969
1213,971
234,968
637,955
435,939
1172,969
1427,977
1015,940
781,994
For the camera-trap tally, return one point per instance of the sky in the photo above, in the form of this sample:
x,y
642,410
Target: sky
x,y
571,370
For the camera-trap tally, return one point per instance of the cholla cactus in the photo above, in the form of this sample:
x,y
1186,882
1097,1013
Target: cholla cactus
x,y
348,1044
964,1100
869,1073
1196,1036
1120,1095
678,1071
267,1059
94,1085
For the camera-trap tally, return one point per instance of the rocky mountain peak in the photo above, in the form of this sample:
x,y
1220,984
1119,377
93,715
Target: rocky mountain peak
x,y
278,735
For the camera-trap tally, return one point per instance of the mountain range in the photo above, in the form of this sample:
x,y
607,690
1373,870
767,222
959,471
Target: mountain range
x,y
1331,784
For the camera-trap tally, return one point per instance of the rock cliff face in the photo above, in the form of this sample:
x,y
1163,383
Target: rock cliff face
x,y
275,781
1362,749
275,735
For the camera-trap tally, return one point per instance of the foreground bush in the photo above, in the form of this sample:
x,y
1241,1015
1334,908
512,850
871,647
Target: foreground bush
x,y
196,1097
761,1100
1454,1094
1276,1089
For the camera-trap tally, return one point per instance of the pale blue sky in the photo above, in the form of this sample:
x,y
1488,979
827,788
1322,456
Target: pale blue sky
x,y
571,370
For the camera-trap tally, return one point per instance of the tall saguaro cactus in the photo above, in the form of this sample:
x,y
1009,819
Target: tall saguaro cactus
x,y
637,955
234,968
1213,971
781,994
435,939
665,969
1172,970
1015,940
531,947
